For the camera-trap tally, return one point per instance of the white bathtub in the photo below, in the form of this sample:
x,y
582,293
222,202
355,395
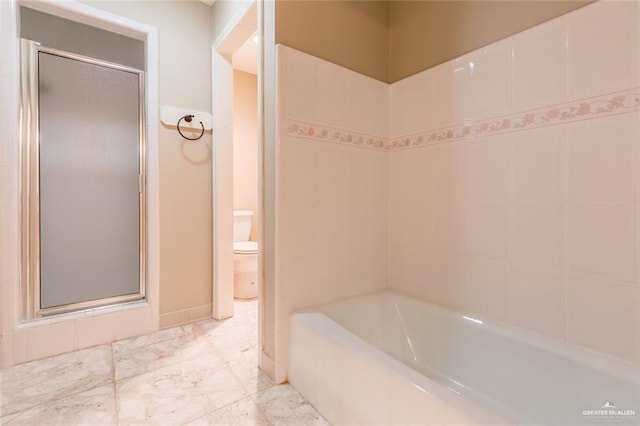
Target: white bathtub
x,y
387,359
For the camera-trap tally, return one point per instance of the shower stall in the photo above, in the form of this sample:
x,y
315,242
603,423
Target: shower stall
x,y
83,166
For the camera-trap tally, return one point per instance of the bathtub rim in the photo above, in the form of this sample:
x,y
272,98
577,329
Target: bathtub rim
x,y
619,368
334,332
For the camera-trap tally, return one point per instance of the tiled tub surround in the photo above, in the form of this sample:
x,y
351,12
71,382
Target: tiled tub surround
x,y
404,361
585,109
332,184
531,218
511,178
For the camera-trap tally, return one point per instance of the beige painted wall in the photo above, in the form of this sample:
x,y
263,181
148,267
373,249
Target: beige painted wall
x,y
184,35
390,40
352,34
425,33
245,145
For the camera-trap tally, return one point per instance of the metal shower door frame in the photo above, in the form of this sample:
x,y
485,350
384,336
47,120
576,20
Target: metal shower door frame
x,y
30,303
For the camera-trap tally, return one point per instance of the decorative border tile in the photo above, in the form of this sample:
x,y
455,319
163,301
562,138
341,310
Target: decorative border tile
x,y
584,109
321,133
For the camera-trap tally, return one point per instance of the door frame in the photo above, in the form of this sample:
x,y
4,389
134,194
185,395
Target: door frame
x,y
237,31
252,15
31,284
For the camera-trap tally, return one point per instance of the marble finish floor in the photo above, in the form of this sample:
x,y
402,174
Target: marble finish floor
x,y
203,373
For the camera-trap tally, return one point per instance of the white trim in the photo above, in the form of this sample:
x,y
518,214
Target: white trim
x,y
239,28
229,30
222,187
89,15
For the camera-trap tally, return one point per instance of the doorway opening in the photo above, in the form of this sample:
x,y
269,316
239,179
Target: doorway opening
x,y
245,170
237,271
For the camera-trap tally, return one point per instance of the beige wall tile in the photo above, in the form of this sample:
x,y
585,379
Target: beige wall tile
x,y
359,99
487,288
537,165
302,87
332,173
19,347
539,63
419,174
450,172
490,72
95,330
379,176
301,229
601,159
133,322
396,176
538,301
487,230
537,236
421,273
487,169
360,176
451,228
49,340
301,171
332,226
415,108
594,66
601,239
302,281
451,93
332,104
450,280
601,315
419,231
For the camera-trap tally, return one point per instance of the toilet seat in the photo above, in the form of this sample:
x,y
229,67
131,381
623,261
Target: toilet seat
x,y
245,247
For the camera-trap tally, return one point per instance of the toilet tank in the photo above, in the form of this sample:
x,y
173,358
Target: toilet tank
x,y
242,225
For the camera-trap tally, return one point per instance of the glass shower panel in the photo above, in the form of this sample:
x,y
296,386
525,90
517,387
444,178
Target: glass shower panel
x,y
89,181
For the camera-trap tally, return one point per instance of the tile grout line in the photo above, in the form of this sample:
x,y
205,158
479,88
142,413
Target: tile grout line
x,y
226,365
247,403
56,399
133,339
260,409
227,406
249,394
115,387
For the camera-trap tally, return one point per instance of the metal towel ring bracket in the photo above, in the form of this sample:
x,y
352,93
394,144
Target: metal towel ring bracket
x,y
188,119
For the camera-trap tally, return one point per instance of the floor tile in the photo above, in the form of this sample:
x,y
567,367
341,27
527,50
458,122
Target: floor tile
x,y
148,339
177,393
38,382
283,405
241,413
243,362
204,373
129,362
93,407
233,336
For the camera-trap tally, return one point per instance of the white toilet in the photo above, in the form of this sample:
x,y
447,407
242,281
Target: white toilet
x,y
245,257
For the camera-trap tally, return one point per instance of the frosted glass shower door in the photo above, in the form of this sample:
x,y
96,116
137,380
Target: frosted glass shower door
x,y
90,146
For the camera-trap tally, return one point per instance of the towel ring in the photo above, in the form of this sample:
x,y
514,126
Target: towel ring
x,y
188,119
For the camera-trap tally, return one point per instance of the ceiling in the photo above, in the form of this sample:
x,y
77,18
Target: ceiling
x,y
246,58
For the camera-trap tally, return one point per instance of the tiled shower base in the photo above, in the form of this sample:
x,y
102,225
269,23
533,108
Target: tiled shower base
x,y
197,374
